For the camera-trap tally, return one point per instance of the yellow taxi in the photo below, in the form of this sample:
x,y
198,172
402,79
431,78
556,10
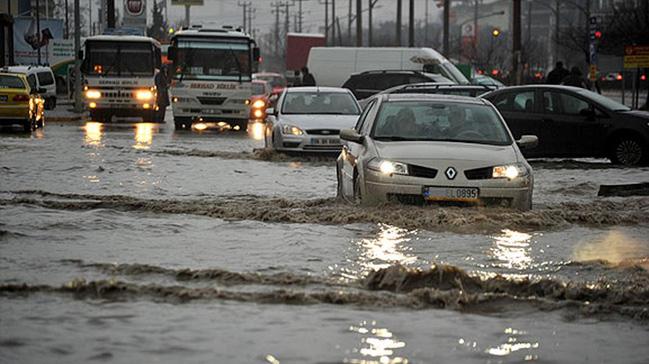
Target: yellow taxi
x,y
19,104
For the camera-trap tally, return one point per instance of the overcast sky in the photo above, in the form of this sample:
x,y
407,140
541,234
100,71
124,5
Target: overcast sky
x,y
228,12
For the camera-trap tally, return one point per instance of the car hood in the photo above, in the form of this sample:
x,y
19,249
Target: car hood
x,y
319,121
637,113
469,155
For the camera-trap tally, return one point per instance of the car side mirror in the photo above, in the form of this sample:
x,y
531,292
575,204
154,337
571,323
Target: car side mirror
x,y
351,135
271,111
528,141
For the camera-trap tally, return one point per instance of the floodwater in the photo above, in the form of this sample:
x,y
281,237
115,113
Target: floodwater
x,y
131,242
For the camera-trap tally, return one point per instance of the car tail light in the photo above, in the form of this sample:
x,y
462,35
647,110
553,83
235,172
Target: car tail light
x,y
20,98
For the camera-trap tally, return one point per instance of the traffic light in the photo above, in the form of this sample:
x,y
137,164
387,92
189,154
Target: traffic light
x,y
598,35
495,32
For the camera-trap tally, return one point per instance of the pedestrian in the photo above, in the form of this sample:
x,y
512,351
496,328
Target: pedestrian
x,y
307,78
162,86
557,74
297,81
575,78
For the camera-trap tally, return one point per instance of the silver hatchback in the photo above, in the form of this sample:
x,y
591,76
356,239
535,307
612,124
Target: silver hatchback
x,y
434,148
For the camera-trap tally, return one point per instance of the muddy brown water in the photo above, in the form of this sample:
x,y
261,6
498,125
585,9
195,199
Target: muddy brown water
x,y
135,243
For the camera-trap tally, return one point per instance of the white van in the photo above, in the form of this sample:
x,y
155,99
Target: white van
x,y
40,77
331,66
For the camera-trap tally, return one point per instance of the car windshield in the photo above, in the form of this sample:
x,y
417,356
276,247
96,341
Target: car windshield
x,y
8,81
213,59
258,88
274,81
124,59
603,100
332,103
440,121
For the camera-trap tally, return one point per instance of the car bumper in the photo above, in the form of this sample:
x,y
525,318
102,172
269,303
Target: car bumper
x,y
13,114
308,143
405,189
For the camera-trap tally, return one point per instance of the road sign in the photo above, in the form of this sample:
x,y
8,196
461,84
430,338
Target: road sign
x,y
636,56
187,2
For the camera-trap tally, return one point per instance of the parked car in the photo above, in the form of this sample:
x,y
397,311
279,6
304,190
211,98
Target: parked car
x,y
574,122
20,104
39,78
434,148
331,66
309,119
488,81
433,88
368,83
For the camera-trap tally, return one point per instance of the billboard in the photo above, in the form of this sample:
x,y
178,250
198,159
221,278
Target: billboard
x,y
135,14
27,41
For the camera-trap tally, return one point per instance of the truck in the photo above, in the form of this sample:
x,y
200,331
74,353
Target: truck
x,y
298,46
119,76
211,75
332,66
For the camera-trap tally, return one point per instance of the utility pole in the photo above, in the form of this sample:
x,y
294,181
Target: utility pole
x,y
557,29
426,24
326,23
359,23
276,11
349,23
371,4
187,15
77,62
398,43
67,26
475,30
251,11
411,24
447,15
245,6
334,20
300,16
516,49
90,17
287,21
38,30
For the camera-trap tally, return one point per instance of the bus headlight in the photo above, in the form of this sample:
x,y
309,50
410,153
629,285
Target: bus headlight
x,y
93,94
143,95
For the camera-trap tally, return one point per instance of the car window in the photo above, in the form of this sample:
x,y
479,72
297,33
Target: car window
x,y
572,105
551,102
31,79
361,119
8,81
371,114
516,101
45,78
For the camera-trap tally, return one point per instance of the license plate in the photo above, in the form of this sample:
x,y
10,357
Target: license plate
x,y
465,194
326,141
4,98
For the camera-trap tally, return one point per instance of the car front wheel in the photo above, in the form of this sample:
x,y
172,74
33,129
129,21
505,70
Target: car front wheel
x,y
629,151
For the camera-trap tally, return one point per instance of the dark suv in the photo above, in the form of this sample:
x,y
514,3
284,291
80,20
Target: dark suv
x,y
368,83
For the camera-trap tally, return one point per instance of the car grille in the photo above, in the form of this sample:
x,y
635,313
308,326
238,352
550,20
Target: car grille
x,y
330,148
323,131
419,171
117,94
211,100
479,173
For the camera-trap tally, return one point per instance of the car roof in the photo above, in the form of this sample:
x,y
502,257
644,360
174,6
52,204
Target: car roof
x,y
25,69
370,72
316,89
541,85
433,97
10,73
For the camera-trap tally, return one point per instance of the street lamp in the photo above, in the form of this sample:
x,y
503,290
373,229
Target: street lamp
x,y
475,31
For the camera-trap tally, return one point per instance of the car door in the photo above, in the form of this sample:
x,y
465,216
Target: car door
x,y
521,112
574,122
351,151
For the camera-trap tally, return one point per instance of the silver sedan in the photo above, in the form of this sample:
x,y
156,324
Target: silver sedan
x,y
309,119
434,149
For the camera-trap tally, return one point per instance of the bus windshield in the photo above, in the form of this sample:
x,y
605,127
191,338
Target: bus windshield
x,y
125,59
212,59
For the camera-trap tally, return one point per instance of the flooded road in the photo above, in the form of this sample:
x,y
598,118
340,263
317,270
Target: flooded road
x,y
136,243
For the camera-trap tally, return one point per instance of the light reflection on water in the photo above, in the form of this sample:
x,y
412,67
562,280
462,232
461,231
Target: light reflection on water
x,y
514,341
93,134
378,345
144,135
386,249
512,250
256,130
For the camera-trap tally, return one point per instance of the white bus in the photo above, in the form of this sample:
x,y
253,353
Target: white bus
x,y
119,72
212,75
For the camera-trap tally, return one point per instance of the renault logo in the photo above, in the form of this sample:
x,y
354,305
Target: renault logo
x,y
450,173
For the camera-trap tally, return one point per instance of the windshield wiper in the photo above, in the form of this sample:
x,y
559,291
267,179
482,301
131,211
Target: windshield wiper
x,y
189,57
237,61
394,138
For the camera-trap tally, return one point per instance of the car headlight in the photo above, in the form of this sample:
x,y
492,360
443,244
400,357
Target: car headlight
x,y
259,104
143,95
388,167
93,94
292,130
509,171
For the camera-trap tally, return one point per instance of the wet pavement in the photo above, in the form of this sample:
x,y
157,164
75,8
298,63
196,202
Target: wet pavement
x,y
132,242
